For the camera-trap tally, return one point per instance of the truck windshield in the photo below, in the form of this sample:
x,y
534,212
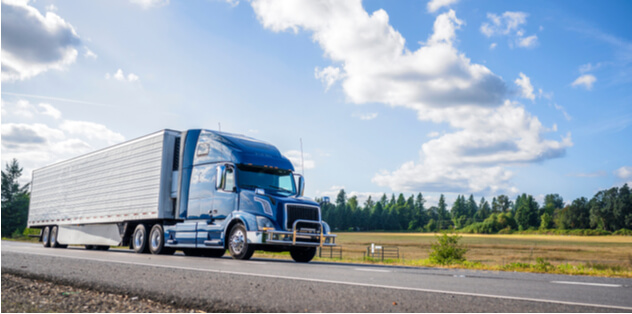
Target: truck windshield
x,y
272,180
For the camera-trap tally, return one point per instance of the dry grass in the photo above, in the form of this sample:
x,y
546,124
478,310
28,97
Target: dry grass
x,y
503,249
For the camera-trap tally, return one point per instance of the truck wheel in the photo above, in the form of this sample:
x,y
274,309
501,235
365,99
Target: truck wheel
x,y
46,237
139,239
53,237
90,247
238,243
213,253
157,241
192,252
302,254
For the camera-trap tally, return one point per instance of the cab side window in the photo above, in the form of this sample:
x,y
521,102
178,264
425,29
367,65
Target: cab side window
x,y
229,184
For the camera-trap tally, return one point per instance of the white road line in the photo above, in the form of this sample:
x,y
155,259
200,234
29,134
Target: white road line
x,y
374,270
587,284
627,308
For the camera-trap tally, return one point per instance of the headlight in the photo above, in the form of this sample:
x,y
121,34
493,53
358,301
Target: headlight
x,y
264,223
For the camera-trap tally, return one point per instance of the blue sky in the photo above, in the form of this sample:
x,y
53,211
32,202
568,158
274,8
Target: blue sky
x,y
452,97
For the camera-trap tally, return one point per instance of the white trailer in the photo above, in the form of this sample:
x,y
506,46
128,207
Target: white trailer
x,y
85,200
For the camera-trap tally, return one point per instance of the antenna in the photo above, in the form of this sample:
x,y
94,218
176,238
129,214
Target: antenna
x,y
219,126
302,161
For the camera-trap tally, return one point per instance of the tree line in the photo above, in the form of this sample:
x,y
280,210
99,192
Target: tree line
x,y
609,211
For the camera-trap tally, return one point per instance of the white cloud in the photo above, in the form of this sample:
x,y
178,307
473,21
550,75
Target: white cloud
x,y
586,81
509,24
366,116
120,76
563,111
437,81
147,4
49,110
33,43
525,86
52,8
328,75
295,158
433,134
434,5
492,46
624,173
528,42
332,193
36,140
89,54
92,131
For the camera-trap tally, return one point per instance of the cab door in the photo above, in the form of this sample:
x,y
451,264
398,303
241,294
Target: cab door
x,y
224,202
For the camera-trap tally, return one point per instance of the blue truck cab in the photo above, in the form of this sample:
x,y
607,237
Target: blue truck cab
x,y
237,193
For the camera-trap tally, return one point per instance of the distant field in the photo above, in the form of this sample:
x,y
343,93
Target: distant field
x,y
502,249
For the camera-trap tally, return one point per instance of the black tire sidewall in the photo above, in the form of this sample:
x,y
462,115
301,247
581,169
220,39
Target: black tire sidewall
x,y
302,254
54,231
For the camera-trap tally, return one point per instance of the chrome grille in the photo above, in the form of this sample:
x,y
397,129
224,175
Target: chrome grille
x,y
300,212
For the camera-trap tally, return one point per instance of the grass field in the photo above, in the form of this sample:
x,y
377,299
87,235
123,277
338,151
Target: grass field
x,y
609,256
502,249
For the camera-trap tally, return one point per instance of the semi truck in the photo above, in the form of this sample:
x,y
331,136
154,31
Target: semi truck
x,y
198,191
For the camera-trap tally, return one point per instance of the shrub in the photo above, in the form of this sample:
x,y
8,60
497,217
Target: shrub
x,y
447,250
623,232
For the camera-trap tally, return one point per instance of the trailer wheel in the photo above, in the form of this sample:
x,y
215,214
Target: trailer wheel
x,y
157,241
302,254
238,243
90,247
139,239
53,237
46,237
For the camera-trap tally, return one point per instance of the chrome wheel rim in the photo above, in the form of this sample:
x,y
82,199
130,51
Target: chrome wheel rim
x,y
45,236
237,240
53,236
138,239
155,239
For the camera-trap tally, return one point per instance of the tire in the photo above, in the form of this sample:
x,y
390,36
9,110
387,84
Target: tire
x,y
46,237
139,239
192,252
216,253
101,247
53,237
90,247
302,254
157,241
238,243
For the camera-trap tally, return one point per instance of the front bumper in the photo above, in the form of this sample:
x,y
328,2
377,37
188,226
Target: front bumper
x,y
313,237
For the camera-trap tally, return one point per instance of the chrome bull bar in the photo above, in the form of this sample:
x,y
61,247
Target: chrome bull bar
x,y
295,236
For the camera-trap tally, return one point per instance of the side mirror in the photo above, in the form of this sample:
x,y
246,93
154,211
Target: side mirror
x,y
219,178
300,184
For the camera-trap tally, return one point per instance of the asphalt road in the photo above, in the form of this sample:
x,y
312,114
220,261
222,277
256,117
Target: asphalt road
x,y
268,285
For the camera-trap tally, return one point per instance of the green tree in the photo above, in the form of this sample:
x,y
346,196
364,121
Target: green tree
x,y
443,216
526,211
15,200
484,210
